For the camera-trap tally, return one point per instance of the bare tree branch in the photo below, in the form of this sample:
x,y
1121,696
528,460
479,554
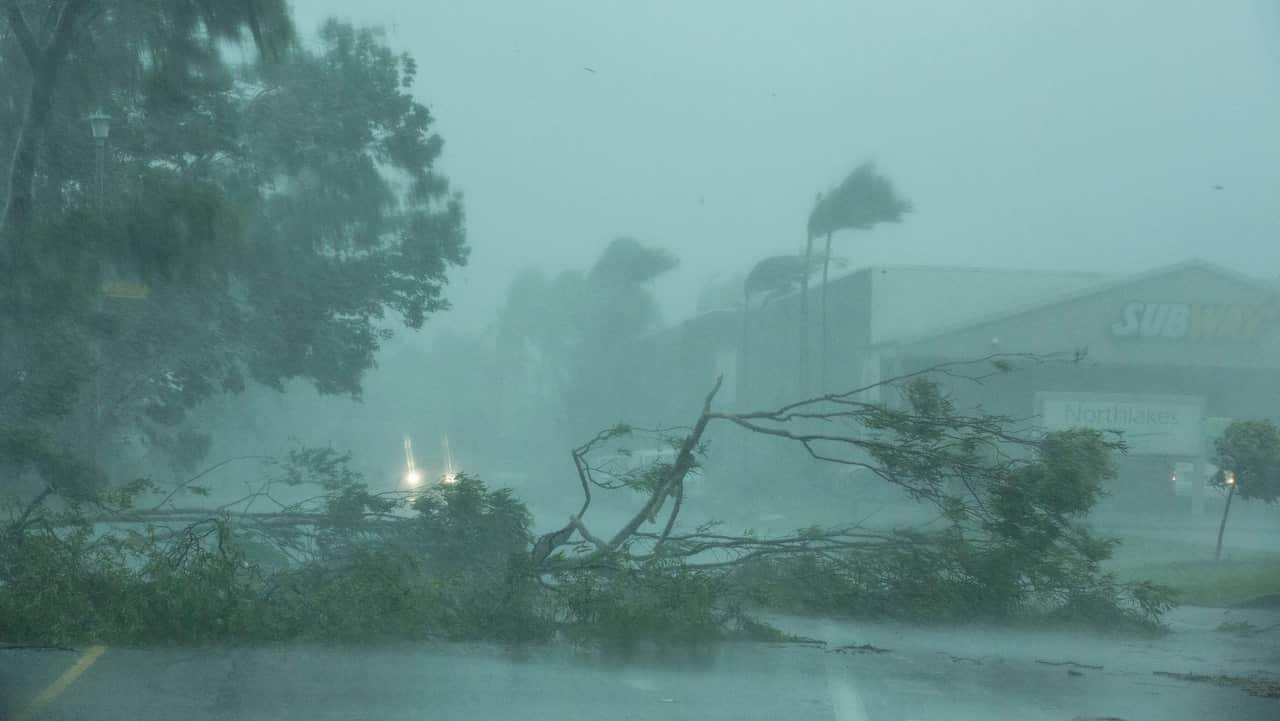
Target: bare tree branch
x,y
204,473
684,463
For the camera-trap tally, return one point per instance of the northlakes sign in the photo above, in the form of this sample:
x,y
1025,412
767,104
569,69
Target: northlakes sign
x,y
1150,425
1194,321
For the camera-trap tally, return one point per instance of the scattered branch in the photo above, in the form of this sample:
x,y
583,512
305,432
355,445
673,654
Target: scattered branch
x,y
1072,664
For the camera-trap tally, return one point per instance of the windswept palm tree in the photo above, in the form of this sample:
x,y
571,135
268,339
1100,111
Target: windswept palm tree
x,y
864,199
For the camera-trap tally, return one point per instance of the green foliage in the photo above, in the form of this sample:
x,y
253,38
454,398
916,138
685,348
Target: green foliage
x,y
276,213
463,524
1012,551
627,261
775,276
451,564
568,336
862,200
454,560
1251,451
663,603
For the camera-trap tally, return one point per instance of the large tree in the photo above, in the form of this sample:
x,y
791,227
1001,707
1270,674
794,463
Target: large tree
x,y
62,59
275,214
70,52
570,334
1248,458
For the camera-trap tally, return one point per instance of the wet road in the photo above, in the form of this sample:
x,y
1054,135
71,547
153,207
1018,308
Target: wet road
x,y
951,675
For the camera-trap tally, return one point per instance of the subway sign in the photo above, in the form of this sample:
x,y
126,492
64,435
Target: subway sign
x,y
1194,321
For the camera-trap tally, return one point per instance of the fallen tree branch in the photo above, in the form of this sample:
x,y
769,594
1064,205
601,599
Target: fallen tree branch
x,y
684,463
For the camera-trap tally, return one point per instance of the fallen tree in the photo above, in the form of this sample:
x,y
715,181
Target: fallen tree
x,y
1006,542
458,560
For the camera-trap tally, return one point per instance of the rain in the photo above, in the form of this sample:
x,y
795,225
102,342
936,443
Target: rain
x,y
850,360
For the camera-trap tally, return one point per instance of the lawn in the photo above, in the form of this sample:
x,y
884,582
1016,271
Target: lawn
x,y
1241,575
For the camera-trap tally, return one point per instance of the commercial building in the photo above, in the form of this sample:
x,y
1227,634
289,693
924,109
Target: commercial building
x,y
1167,356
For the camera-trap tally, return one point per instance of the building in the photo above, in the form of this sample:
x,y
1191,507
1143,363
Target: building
x,y
1169,356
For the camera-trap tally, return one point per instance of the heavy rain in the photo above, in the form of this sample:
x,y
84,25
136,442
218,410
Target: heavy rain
x,y
853,360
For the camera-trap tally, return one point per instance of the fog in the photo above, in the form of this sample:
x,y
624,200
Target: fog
x,y
1100,137
1082,136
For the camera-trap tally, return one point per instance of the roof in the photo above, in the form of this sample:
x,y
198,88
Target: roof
x,y
1100,287
905,301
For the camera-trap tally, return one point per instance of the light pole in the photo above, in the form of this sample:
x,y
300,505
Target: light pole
x,y
100,125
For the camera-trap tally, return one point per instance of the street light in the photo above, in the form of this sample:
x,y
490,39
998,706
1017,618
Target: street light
x,y
100,125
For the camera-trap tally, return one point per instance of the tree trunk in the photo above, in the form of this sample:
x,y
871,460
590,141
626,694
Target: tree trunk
x,y
743,380
822,360
18,205
1231,491
44,64
803,377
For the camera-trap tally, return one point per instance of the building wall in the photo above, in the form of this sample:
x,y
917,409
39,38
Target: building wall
x,y
1212,326
1206,343
1191,330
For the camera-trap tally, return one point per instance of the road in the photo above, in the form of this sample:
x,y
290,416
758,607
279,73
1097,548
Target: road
x,y
924,674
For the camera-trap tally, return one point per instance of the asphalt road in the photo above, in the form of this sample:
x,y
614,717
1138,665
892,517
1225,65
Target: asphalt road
x,y
925,674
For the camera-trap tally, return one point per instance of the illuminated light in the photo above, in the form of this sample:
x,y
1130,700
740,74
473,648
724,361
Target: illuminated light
x,y
411,476
1231,478
450,476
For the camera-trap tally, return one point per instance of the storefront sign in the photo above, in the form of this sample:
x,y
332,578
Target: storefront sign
x,y
1150,425
1193,321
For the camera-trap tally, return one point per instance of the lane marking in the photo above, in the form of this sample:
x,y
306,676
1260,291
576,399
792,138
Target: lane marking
x,y
846,702
55,689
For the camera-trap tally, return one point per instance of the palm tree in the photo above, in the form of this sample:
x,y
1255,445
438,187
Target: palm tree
x,y
803,376
864,199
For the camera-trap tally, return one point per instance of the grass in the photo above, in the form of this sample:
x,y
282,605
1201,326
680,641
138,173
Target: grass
x,y
1241,575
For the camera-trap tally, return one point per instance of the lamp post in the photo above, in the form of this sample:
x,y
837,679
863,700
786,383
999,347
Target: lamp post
x,y
100,125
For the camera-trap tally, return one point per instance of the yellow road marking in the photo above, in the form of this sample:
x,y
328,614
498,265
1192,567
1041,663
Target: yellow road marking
x,y
56,688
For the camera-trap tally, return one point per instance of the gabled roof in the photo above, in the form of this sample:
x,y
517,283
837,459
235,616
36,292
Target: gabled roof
x,y
1102,286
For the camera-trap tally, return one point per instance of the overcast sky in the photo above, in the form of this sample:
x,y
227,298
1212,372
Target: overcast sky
x,y
1082,135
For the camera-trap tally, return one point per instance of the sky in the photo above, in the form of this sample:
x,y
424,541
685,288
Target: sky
x,y
1087,135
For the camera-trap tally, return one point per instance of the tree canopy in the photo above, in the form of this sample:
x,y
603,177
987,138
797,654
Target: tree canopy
x,y
569,334
278,215
864,199
1248,454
